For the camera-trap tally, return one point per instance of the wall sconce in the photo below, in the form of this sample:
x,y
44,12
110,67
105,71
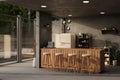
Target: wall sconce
x,y
66,23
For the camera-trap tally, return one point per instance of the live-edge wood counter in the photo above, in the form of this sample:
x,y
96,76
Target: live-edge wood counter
x,y
96,59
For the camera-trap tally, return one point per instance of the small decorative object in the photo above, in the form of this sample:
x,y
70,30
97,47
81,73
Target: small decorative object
x,y
50,45
105,28
113,28
87,35
80,34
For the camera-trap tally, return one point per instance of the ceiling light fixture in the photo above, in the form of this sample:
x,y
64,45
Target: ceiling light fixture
x,y
43,6
102,12
70,15
86,1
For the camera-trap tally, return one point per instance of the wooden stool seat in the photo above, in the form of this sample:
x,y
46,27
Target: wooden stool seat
x,y
71,54
86,55
46,53
58,54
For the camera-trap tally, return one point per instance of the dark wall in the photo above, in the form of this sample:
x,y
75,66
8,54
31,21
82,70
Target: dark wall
x,y
45,28
93,26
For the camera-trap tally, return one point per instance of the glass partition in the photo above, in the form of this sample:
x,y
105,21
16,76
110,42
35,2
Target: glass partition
x,y
27,38
8,38
8,44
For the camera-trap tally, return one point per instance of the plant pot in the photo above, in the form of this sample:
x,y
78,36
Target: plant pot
x,y
114,62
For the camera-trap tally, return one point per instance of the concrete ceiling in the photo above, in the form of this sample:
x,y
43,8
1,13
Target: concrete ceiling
x,y
62,8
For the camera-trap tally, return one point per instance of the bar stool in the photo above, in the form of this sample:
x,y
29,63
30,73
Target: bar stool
x,y
47,61
85,62
58,61
71,62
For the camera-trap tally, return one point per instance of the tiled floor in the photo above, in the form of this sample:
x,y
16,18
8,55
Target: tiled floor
x,y
25,71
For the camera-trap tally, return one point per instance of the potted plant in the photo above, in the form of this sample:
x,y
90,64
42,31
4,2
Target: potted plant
x,y
115,56
107,44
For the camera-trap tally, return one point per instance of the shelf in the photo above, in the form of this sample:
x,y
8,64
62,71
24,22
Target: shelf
x,y
83,41
109,31
83,38
107,56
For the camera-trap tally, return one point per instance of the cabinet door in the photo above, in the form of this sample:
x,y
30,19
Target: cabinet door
x,y
65,38
57,40
65,45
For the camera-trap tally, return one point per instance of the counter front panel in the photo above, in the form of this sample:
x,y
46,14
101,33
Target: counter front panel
x,y
96,60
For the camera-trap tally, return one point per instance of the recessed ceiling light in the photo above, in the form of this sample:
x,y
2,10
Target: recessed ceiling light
x,y
70,15
102,12
43,6
86,1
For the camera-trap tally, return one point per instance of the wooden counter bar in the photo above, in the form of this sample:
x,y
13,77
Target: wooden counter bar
x,y
96,61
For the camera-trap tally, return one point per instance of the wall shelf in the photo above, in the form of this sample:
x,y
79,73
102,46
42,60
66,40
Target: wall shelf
x,y
109,31
107,52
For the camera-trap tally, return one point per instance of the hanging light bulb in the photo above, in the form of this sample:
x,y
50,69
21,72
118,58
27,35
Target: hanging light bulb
x,y
64,21
69,21
68,28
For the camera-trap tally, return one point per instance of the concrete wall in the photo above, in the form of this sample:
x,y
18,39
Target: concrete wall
x,y
56,28
93,26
